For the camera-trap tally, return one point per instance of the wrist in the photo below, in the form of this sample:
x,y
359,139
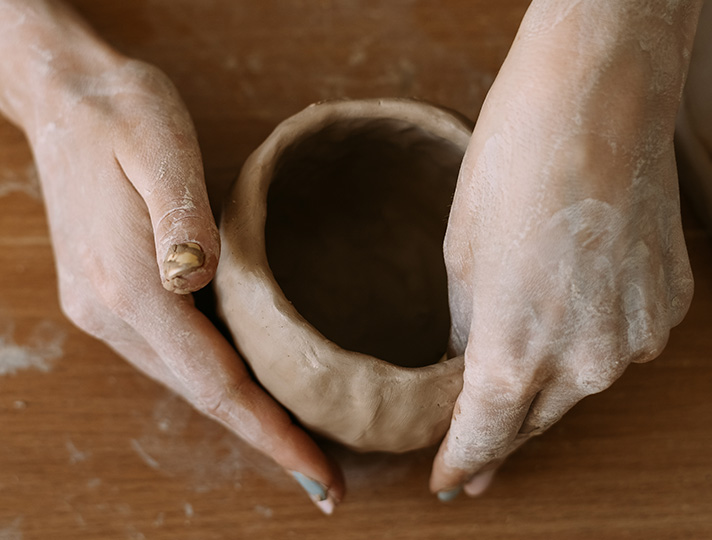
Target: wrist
x,y
634,48
593,71
49,51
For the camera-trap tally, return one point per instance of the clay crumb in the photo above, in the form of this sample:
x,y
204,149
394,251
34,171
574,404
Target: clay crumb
x,y
182,259
43,347
12,531
264,511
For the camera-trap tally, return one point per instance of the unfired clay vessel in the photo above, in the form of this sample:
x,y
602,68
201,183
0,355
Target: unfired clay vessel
x,y
331,277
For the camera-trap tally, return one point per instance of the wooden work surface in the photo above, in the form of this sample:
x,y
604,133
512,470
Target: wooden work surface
x,y
91,449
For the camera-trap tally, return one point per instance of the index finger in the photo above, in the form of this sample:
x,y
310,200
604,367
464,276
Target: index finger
x,y
488,415
219,385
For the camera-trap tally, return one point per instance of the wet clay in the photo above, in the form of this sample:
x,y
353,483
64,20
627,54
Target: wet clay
x,y
332,278
356,217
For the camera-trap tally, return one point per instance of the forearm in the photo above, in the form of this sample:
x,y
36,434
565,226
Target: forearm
x,y
599,80
639,47
43,44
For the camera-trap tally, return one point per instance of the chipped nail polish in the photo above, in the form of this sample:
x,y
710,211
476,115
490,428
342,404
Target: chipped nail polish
x,y
316,491
447,496
182,259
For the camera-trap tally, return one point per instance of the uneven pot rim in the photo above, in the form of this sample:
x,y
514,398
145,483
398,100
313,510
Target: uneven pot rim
x,y
359,400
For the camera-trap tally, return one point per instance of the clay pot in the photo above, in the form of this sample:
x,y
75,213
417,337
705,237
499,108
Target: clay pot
x,y
332,279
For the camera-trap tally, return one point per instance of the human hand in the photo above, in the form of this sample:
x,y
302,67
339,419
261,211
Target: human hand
x,y
131,225
565,253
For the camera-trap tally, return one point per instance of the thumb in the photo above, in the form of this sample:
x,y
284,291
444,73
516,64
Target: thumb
x,y
167,171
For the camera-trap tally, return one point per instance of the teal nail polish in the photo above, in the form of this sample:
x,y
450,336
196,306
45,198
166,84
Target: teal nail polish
x,y
315,490
447,496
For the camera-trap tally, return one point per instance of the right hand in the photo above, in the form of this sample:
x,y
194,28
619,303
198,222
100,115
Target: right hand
x,y
565,252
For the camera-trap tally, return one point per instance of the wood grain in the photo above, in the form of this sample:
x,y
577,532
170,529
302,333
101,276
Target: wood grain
x,y
90,449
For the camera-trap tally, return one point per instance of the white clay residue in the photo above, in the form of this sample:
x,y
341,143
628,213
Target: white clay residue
x,y
170,445
41,350
188,509
213,460
75,455
145,457
26,182
264,511
12,531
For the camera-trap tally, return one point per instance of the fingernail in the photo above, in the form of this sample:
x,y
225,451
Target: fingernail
x,y
317,493
327,506
447,496
182,259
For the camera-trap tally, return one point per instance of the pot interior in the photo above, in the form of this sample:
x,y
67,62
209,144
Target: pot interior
x,y
356,216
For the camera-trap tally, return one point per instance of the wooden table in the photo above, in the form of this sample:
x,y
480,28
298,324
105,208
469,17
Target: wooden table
x,y
90,449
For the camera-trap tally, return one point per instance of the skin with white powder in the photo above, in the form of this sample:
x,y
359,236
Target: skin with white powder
x,y
122,180
565,253
564,250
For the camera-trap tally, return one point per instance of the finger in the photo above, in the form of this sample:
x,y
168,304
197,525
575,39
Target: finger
x,y
218,384
545,410
679,281
163,163
653,298
140,354
488,414
479,483
548,407
136,350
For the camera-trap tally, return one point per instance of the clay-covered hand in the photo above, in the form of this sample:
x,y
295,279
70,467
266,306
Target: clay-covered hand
x,y
131,226
565,253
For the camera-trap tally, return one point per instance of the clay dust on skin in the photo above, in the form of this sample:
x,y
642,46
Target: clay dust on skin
x,y
42,348
608,255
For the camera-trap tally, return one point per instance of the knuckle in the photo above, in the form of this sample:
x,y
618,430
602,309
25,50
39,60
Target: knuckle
x,y
176,220
515,387
681,296
113,294
647,334
141,83
81,312
149,75
597,377
470,451
109,291
651,348
216,401
210,405
86,313
512,381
